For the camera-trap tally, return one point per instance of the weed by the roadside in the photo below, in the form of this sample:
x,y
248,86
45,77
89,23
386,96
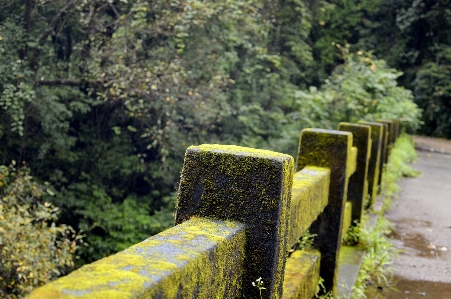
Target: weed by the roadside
x,y
306,240
397,167
378,258
259,284
320,292
351,237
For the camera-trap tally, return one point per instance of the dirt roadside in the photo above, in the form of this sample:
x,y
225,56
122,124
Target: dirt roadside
x,y
429,144
422,226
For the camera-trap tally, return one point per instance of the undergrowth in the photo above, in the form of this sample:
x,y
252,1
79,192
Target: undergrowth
x,y
379,256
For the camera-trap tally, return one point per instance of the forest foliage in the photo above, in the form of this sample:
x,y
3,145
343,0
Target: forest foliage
x,y
101,98
33,248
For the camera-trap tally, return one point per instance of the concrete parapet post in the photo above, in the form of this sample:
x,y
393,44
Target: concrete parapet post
x,y
396,129
391,132
246,185
358,183
377,133
384,153
328,148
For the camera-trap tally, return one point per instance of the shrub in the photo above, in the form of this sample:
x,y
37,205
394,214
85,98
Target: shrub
x,y
33,248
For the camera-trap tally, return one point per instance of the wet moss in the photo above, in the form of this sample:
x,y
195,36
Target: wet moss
x,y
347,218
301,274
358,184
384,154
374,162
249,186
397,125
309,198
390,129
328,148
352,161
200,258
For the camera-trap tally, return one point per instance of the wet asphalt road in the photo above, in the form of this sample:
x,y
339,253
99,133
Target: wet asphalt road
x,y
422,226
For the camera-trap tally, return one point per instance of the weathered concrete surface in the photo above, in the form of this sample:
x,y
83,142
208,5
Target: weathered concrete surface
x,y
374,167
328,148
358,182
249,186
301,274
309,197
422,220
200,258
350,261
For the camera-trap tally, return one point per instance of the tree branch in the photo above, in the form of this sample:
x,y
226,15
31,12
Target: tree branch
x,y
48,31
68,82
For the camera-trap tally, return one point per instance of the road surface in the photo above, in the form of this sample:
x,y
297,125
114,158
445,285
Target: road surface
x,y
422,226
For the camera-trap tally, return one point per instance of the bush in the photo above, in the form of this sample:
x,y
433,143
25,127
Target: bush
x,y
364,87
33,248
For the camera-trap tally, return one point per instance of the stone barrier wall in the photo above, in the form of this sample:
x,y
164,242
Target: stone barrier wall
x,y
240,215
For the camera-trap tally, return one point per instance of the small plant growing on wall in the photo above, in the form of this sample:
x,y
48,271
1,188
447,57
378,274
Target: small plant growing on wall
x,y
259,284
306,240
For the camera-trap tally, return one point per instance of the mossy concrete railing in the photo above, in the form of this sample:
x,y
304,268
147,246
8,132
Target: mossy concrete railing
x,y
240,214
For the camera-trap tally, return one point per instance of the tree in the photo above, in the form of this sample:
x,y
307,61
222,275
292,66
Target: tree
x,y
433,94
363,88
101,97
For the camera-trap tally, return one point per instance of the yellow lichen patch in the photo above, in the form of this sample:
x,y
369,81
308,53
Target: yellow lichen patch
x,y
239,150
284,224
347,218
199,258
94,279
390,129
309,198
301,274
352,161
376,156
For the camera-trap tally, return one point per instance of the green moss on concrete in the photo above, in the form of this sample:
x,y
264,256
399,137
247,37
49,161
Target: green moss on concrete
x,y
347,218
391,130
249,186
352,161
328,148
358,185
377,134
350,262
384,154
397,124
301,274
309,198
200,258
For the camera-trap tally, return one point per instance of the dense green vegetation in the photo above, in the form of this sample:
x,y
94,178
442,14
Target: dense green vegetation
x,y
101,98
33,250
412,36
